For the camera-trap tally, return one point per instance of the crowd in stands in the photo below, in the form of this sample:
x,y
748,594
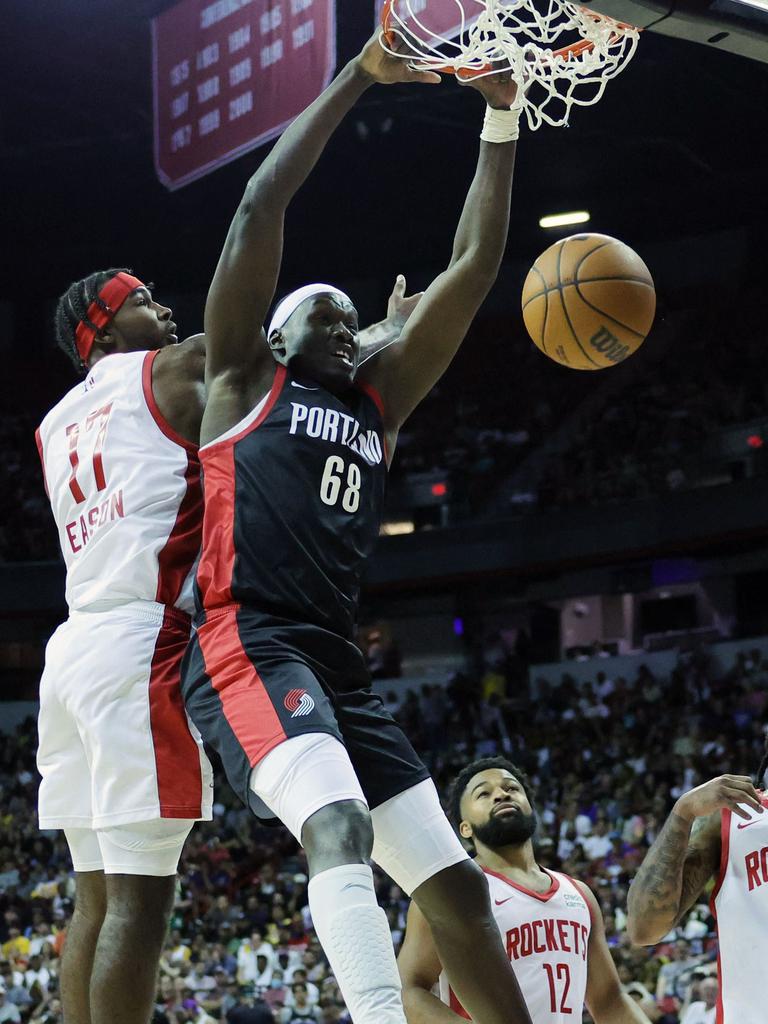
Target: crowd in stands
x,y
480,422
27,531
651,436
607,760
498,403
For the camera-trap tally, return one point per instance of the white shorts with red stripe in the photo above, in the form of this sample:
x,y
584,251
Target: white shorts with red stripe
x,y
116,745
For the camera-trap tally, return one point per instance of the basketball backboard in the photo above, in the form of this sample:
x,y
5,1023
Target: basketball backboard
x,y
738,26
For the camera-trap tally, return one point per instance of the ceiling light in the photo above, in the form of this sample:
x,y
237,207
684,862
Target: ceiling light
x,y
394,529
559,220
761,5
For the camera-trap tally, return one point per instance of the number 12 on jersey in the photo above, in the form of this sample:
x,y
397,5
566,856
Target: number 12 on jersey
x,y
99,418
559,978
333,481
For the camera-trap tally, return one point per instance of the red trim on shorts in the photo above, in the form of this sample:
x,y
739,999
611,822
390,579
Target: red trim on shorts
x,y
245,702
39,443
542,897
455,1005
217,558
274,393
177,557
177,756
154,408
725,845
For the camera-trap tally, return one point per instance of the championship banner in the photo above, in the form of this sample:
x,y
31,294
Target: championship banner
x,y
441,17
232,74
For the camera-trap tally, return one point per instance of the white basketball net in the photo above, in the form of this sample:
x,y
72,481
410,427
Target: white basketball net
x,y
515,36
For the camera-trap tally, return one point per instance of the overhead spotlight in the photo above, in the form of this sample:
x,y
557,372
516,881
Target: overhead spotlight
x,y
760,5
560,220
394,529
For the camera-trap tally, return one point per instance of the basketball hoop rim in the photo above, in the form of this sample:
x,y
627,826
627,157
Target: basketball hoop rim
x,y
568,52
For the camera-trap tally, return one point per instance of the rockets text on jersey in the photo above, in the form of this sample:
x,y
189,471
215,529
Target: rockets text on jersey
x,y
546,936
124,489
739,903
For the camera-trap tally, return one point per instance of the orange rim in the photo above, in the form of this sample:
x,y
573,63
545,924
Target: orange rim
x,y
386,17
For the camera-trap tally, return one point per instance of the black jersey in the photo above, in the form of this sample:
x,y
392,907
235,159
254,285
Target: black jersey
x,y
293,502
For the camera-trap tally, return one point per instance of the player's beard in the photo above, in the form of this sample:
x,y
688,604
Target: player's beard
x,y
507,830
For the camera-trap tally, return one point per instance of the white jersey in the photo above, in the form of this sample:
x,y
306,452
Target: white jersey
x,y
124,489
546,936
739,903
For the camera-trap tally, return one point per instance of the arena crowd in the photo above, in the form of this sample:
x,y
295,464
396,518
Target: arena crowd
x,y
643,439
241,947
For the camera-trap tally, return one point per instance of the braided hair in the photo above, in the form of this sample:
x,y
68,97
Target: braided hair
x,y
763,766
72,307
462,780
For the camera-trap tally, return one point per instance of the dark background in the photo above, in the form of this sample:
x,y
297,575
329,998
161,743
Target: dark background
x,y
672,161
674,150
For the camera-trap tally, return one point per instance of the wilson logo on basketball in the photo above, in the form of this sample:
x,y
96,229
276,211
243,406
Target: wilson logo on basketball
x,y
299,703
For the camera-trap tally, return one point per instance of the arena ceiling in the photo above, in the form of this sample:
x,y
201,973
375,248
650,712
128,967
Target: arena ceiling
x,y
675,148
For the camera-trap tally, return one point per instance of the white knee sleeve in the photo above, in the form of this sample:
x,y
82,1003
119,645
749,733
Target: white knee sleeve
x,y
412,838
144,847
84,849
303,774
354,933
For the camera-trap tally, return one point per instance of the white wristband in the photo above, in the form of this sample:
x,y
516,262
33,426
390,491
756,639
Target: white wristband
x,y
501,125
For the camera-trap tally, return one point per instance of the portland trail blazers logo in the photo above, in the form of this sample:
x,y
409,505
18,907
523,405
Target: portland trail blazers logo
x,y
299,703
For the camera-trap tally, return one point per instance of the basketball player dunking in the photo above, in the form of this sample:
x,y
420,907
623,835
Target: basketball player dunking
x,y
551,924
717,830
123,774
294,453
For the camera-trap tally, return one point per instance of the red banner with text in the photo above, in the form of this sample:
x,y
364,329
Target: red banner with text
x,y
232,74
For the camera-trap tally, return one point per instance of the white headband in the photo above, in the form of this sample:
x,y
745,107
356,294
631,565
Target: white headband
x,y
288,306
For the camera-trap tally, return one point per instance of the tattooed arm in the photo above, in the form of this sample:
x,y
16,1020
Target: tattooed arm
x,y
685,856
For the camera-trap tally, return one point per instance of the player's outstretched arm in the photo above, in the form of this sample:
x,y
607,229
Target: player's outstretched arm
x,y
406,372
420,967
685,856
606,1001
246,276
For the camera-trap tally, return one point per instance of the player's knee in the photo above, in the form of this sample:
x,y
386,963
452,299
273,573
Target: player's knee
x,y
339,833
91,896
141,900
459,891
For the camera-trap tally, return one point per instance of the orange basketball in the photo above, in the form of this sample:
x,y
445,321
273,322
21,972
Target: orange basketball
x,y
588,302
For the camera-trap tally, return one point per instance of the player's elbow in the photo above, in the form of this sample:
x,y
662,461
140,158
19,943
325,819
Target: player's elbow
x,y
480,263
643,932
261,200
410,988
413,995
253,208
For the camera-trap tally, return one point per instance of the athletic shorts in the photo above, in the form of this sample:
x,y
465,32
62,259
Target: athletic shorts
x,y
251,680
116,745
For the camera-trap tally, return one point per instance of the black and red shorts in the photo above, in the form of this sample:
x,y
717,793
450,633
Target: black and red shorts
x,y
251,680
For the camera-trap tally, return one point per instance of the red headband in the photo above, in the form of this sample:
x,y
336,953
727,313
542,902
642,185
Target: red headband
x,y
113,295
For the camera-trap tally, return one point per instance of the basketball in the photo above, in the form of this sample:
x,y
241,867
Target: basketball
x,y
588,302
